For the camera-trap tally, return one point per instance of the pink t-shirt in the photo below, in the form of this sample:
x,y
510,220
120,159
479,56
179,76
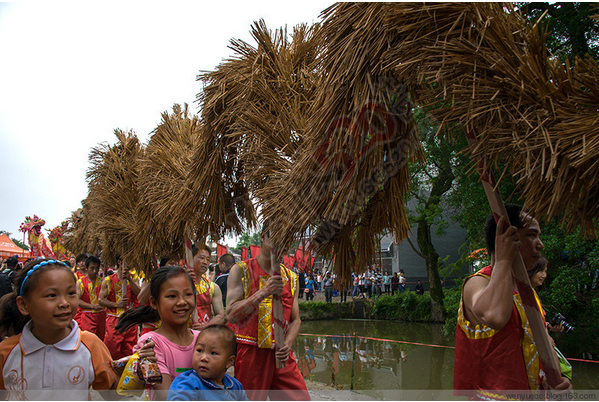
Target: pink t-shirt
x,y
172,359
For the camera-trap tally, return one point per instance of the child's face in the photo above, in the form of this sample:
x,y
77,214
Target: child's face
x,y
211,357
52,303
176,300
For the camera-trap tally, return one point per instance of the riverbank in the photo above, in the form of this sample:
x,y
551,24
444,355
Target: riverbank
x,y
322,392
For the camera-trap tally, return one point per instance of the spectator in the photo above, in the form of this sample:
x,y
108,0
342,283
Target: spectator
x,y
225,262
387,283
394,283
419,289
328,287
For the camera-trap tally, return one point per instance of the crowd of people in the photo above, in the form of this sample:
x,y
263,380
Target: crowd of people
x,y
64,323
373,282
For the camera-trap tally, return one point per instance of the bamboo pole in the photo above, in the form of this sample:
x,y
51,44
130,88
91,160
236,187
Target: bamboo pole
x,y
547,356
123,281
277,308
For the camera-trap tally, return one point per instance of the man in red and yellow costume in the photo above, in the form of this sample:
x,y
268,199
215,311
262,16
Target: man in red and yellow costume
x,y
209,300
495,351
111,296
92,317
250,287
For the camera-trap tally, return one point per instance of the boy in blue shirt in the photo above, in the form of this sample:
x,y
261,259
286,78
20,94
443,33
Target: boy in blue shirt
x,y
213,354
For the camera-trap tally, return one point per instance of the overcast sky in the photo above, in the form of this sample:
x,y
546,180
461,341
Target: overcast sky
x,y
72,72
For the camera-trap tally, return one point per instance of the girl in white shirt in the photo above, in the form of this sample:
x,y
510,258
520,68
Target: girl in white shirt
x,y
48,357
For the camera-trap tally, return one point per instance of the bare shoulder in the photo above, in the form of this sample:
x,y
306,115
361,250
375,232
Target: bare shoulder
x,y
472,289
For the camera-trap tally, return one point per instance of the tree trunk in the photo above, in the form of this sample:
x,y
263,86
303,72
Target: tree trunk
x,y
441,184
432,270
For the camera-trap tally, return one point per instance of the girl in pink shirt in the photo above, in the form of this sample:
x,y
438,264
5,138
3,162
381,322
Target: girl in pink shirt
x,y
172,300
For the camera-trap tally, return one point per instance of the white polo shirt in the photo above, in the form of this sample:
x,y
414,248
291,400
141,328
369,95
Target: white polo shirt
x,y
64,370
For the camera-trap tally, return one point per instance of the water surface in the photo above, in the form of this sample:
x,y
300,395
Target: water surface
x,y
390,360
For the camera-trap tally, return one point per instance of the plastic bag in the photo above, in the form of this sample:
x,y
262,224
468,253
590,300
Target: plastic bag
x,y
130,383
564,364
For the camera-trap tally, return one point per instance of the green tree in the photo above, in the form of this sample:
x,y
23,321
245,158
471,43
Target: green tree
x,y
573,31
432,181
572,287
245,239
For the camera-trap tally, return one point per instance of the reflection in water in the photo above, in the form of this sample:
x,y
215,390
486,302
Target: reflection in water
x,y
353,354
386,368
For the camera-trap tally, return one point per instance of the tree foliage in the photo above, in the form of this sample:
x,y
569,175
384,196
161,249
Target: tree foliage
x,y
573,31
245,239
572,287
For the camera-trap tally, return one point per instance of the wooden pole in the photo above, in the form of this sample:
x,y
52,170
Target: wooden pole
x,y
277,309
123,281
189,267
547,356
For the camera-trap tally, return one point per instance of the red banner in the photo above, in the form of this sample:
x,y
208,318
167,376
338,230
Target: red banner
x,y
220,250
301,258
244,253
255,250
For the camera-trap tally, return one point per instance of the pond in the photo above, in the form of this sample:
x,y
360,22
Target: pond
x,y
391,360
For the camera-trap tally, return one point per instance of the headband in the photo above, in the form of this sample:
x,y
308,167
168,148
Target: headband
x,y
35,268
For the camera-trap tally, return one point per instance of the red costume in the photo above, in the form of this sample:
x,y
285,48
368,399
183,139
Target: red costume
x,y
89,319
489,361
205,291
255,336
119,344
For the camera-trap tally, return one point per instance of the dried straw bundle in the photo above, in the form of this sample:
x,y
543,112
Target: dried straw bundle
x,y
113,194
82,235
254,109
490,72
164,167
352,176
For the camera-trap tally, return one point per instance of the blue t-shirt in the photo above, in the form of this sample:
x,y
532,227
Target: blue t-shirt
x,y
189,386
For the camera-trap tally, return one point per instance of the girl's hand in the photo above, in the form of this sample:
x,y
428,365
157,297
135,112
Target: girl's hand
x,y
147,351
123,303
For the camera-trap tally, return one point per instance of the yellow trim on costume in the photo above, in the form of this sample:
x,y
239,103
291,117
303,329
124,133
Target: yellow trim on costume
x,y
479,331
245,279
118,291
204,285
247,338
529,347
487,395
265,318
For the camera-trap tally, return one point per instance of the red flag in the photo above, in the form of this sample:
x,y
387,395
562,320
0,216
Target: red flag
x,y
220,250
299,258
244,253
287,261
255,250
